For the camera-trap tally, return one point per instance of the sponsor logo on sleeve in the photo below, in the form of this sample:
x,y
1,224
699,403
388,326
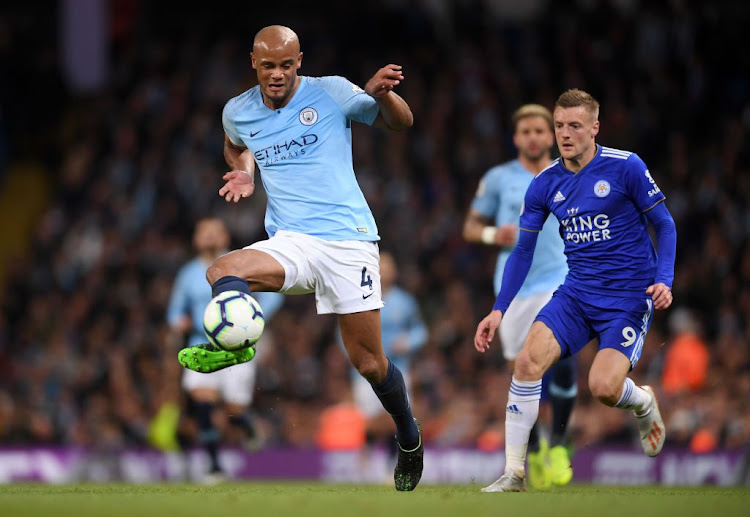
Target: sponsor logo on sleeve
x,y
656,189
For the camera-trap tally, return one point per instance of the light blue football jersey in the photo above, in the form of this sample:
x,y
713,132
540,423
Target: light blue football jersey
x,y
304,153
500,197
602,214
401,318
191,293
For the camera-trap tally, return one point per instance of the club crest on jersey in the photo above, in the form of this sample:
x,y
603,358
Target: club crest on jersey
x,y
601,189
308,116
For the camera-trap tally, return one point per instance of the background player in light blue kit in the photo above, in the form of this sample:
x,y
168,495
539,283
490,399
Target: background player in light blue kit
x,y
322,235
493,220
234,385
604,199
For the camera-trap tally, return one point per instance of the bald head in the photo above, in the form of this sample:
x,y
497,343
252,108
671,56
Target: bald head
x,y
276,58
276,37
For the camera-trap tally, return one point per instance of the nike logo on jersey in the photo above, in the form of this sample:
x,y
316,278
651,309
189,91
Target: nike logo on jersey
x,y
366,297
253,134
558,197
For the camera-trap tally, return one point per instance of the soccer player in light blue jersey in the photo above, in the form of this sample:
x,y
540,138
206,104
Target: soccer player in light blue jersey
x,y
322,235
235,385
493,220
605,200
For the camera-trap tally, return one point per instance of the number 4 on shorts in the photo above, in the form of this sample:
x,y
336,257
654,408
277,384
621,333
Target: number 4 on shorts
x,y
366,279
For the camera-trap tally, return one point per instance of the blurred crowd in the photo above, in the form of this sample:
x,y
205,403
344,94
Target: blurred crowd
x,y
134,164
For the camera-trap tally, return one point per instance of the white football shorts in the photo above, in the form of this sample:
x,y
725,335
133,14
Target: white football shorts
x,y
235,384
344,275
517,322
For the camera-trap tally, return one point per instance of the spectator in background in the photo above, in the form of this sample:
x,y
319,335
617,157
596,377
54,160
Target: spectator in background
x,y
687,359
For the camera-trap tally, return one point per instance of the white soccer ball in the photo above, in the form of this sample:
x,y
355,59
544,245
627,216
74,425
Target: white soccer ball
x,y
233,320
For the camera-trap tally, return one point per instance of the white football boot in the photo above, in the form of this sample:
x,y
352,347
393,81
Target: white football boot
x,y
651,426
510,481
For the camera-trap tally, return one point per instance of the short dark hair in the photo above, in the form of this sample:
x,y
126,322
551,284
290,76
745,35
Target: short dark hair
x,y
574,97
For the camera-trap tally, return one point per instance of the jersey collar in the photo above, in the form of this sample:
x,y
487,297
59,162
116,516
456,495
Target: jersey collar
x,y
587,166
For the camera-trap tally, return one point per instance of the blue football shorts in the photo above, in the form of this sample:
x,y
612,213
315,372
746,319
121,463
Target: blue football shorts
x,y
576,318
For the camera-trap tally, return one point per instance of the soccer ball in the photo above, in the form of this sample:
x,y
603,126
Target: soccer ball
x,y
233,321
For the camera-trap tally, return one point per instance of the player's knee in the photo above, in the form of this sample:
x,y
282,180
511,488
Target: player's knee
x,y
368,367
526,368
606,390
219,269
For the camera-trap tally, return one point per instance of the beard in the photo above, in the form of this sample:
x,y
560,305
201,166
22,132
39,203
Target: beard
x,y
535,155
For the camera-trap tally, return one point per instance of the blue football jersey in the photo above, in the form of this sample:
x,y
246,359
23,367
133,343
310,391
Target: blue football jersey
x,y
601,210
304,153
499,197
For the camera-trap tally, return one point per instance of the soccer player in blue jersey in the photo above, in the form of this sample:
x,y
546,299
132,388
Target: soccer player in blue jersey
x,y
235,385
493,220
322,235
604,199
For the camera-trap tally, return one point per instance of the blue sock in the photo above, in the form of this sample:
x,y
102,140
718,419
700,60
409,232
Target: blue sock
x,y
563,388
392,394
245,422
208,435
230,283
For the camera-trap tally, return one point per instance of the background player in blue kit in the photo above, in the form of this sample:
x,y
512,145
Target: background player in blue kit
x,y
604,199
493,220
322,235
234,386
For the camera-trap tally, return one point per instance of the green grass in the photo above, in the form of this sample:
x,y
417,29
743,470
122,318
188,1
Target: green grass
x,y
320,500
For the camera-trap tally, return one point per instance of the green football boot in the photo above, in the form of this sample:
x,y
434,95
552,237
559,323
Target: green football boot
x,y
207,358
409,465
560,470
162,430
538,475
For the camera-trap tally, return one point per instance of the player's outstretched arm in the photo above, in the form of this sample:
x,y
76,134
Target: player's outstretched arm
x,y
394,111
240,181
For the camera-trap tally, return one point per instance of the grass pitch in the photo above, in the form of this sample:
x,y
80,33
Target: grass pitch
x,y
321,500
